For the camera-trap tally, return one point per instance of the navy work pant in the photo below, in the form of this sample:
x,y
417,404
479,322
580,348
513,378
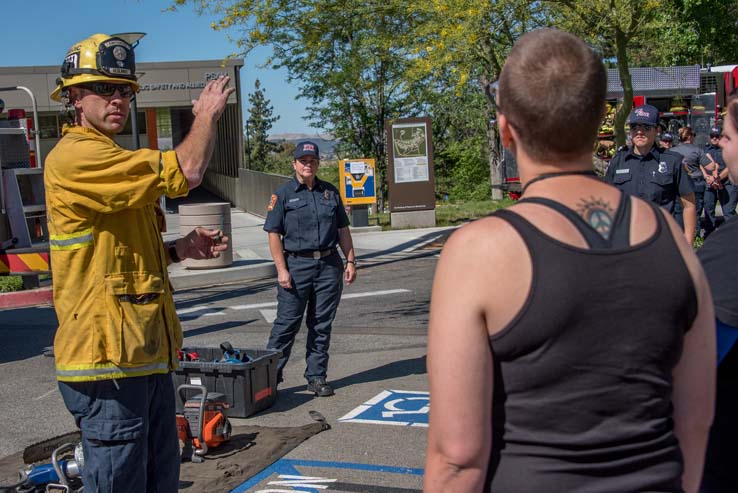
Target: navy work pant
x,y
712,197
729,208
129,433
316,285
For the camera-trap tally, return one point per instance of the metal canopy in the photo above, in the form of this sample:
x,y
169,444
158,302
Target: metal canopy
x,y
656,81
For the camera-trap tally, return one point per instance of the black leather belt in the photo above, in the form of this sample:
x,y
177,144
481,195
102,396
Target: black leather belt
x,y
315,254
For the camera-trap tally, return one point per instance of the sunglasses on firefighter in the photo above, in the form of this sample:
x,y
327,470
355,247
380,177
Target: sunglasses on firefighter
x,y
108,89
643,127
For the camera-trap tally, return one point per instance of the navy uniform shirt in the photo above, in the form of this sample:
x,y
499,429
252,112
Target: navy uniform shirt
x,y
308,220
717,155
658,177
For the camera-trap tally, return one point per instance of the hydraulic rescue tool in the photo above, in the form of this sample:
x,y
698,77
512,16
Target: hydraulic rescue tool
x,y
63,475
203,424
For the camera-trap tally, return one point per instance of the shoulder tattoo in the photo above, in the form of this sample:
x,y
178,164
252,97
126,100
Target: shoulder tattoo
x,y
598,213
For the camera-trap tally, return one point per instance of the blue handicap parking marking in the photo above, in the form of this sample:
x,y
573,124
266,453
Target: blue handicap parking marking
x,y
310,476
392,407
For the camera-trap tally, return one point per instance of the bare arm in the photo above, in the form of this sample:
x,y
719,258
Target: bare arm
x,y
689,215
347,247
459,370
694,377
276,248
723,174
196,149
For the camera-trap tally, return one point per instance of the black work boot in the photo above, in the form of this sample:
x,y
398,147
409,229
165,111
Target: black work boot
x,y
319,387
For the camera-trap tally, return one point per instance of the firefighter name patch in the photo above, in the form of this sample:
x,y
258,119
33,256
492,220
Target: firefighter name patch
x,y
272,202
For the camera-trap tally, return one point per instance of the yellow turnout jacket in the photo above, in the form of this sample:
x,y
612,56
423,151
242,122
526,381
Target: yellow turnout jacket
x,y
111,289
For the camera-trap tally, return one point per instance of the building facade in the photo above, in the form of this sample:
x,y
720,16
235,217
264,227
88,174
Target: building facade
x,y
164,108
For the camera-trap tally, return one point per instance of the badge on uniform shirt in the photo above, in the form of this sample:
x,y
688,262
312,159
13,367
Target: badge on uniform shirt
x,y
272,202
663,168
327,195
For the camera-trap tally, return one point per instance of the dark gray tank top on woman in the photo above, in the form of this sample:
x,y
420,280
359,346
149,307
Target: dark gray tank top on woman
x,y
583,373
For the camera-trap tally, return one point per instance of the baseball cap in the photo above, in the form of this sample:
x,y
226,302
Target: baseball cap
x,y
646,114
667,137
306,148
714,132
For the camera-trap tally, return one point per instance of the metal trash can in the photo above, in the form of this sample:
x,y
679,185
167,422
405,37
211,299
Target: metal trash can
x,y
213,215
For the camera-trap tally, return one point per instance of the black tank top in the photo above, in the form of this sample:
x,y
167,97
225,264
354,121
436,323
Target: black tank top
x,y
583,373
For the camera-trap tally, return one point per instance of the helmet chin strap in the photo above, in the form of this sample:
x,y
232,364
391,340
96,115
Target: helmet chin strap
x,y
67,112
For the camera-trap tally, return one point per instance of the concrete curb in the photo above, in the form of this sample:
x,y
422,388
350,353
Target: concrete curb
x,y
239,271
26,298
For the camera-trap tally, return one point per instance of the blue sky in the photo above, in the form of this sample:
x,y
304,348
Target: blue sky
x,y
38,32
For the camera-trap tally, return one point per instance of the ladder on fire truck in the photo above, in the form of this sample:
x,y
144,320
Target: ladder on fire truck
x,y
25,251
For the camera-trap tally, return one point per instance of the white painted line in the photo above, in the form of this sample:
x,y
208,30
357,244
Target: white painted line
x,y
365,406
254,305
379,422
270,304
352,414
301,481
192,309
390,409
378,398
43,396
269,315
213,314
374,293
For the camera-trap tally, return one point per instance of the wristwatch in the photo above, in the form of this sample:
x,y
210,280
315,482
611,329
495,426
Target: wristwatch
x,y
351,262
172,249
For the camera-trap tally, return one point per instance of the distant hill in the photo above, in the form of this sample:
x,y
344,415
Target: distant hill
x,y
325,142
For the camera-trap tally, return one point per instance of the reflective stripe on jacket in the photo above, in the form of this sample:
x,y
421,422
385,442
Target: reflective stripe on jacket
x,y
111,289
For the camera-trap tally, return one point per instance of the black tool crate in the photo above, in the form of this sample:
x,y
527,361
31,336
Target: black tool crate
x,y
249,387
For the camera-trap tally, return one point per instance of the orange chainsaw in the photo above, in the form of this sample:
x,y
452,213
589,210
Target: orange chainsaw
x,y
203,424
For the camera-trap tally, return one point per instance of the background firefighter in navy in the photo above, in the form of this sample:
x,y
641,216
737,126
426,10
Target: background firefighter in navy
x,y
305,221
651,172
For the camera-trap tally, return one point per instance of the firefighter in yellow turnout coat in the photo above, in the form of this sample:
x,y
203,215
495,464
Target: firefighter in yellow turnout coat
x,y
111,291
118,330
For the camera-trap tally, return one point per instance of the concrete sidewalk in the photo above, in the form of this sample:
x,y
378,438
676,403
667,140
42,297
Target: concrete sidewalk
x,y
252,259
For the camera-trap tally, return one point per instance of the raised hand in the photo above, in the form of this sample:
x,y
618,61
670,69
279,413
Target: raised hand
x,y
213,98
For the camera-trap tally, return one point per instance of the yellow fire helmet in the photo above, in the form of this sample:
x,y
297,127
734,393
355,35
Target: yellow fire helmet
x,y
99,58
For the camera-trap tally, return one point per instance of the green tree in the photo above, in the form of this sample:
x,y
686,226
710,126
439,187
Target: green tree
x,y
616,28
462,42
280,160
258,126
348,58
459,150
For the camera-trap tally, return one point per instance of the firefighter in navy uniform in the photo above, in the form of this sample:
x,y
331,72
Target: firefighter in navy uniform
x,y
651,172
305,222
720,188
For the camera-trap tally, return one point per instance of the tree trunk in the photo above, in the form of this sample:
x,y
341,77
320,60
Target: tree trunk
x,y
621,43
495,161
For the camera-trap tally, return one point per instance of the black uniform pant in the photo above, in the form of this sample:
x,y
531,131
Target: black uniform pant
x,y
316,285
712,197
720,462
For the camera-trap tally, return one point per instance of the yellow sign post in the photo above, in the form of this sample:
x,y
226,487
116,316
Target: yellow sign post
x,y
358,188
